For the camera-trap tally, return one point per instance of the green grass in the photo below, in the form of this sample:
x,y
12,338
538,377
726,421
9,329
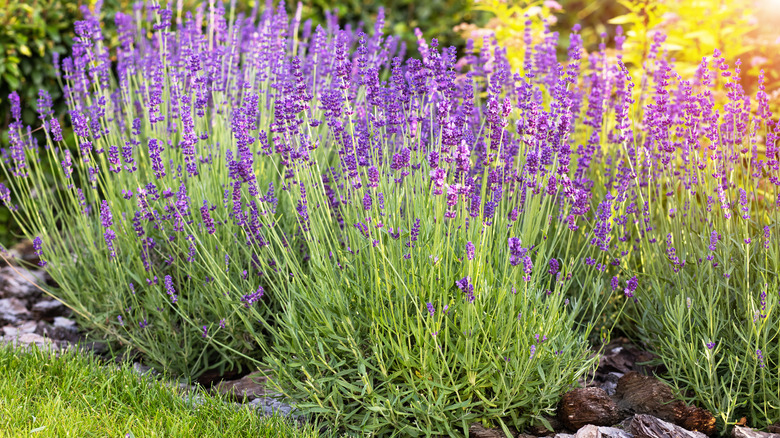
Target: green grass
x,y
42,395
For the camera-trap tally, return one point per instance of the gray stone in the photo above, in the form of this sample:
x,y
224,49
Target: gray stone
x,y
20,329
65,323
588,431
12,311
591,431
48,308
16,282
610,383
143,369
28,339
614,432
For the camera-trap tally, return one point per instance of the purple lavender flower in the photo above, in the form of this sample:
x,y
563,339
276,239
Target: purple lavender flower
x,y
554,267
37,244
5,195
631,286
760,357
431,310
766,237
516,251
206,216
465,286
710,345
170,290
470,250
253,297
367,201
415,232
713,241
105,214
533,350
155,149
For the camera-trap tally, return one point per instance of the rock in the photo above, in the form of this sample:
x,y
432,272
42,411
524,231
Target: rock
x,y
65,323
28,339
563,435
143,369
477,430
638,394
591,431
746,432
246,388
614,432
20,329
583,406
647,426
775,428
12,311
48,308
268,405
610,383
15,282
588,431
63,329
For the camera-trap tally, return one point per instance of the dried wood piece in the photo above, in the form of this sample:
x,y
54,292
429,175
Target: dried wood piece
x,y
647,426
638,394
583,406
746,432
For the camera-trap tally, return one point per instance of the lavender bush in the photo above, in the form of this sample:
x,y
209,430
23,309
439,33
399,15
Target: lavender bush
x,y
410,244
701,213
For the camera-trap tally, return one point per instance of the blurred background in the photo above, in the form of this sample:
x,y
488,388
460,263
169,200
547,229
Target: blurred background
x,y
31,31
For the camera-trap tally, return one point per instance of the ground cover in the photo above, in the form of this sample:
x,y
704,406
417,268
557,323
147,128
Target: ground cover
x,y
68,393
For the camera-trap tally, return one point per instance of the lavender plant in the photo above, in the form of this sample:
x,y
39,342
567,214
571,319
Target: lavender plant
x,y
451,255
701,213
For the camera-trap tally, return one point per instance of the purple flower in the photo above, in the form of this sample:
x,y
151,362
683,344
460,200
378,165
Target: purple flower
x,y
431,310
205,331
470,250
105,214
155,149
5,195
710,345
516,251
206,216
170,290
37,243
615,282
415,232
554,267
367,201
760,357
713,241
465,286
250,299
631,286
533,350
766,237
